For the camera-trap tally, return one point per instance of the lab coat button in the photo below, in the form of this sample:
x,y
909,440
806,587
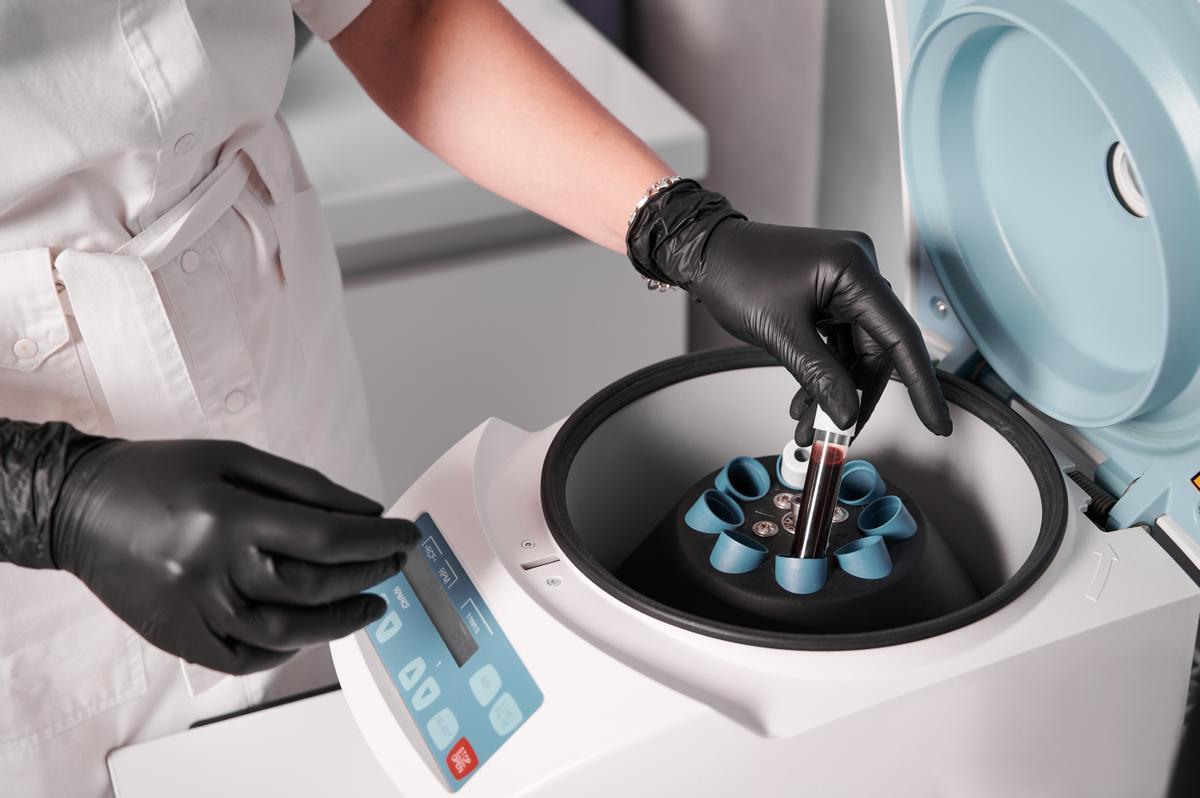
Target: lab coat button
x,y
25,348
190,261
184,143
235,401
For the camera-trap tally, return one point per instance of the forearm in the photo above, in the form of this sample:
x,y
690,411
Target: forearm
x,y
468,82
34,461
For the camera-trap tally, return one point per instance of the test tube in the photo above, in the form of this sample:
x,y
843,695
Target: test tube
x,y
814,516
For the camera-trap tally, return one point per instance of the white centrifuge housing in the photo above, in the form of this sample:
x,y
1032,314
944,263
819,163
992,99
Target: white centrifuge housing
x,y
514,662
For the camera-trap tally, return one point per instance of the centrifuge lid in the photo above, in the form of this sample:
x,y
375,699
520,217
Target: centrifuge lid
x,y
1073,270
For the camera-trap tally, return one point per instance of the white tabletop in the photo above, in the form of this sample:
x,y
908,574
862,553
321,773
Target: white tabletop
x,y
389,199
306,749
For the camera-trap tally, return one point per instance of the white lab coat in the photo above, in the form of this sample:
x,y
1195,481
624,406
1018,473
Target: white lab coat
x,y
165,271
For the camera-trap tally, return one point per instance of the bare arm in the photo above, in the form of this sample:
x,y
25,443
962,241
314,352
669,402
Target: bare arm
x,y
468,82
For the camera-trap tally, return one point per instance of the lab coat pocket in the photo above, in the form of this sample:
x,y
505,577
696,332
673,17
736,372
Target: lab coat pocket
x,y
82,662
32,325
314,283
40,376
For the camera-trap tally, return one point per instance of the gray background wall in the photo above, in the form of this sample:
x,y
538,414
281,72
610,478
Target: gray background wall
x,y
797,97
751,73
859,184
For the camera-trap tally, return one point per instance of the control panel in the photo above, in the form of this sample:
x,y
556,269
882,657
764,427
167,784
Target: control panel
x,y
464,686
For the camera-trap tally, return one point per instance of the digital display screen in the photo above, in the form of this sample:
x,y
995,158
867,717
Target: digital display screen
x,y
441,610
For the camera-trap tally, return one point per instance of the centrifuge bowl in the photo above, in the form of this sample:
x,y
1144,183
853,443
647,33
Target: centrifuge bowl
x,y
626,456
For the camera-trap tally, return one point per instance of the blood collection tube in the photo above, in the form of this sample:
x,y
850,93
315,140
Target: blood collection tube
x,y
815,513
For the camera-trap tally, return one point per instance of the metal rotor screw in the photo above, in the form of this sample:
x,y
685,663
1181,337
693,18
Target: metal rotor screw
x,y
940,308
527,544
554,581
792,519
782,500
765,529
840,514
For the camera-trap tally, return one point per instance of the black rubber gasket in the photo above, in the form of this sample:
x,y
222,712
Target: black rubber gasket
x,y
584,421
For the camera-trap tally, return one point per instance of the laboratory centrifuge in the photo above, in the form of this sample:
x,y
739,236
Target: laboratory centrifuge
x,y
1052,170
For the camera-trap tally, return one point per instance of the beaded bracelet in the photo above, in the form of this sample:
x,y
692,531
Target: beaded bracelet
x,y
655,188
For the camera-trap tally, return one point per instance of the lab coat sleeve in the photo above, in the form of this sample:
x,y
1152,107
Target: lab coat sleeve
x,y
328,18
34,462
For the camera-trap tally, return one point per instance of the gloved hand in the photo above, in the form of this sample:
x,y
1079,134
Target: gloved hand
x,y
781,288
220,553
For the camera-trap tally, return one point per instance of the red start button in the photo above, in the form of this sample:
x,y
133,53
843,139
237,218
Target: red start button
x,y
461,760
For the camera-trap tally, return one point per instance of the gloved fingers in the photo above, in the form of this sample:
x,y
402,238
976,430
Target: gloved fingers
x,y
804,410
869,367
281,627
242,658
840,338
282,580
801,402
872,371
888,323
819,372
284,479
318,536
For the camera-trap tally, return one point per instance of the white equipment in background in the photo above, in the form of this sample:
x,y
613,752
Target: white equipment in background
x,y
1067,678
1053,275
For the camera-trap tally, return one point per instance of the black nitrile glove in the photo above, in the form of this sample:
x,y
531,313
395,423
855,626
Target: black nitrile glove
x,y
211,550
781,288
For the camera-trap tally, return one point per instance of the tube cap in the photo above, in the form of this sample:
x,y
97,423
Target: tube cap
x,y
823,421
792,466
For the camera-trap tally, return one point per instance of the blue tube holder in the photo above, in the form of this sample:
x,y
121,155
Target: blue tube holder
x,y
801,575
745,479
714,512
861,484
735,553
866,558
887,517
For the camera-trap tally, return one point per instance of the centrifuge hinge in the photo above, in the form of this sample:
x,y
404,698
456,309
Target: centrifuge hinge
x,y
1100,502
966,363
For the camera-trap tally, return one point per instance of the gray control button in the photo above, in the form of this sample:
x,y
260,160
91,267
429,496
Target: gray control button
x,y
443,728
505,715
485,683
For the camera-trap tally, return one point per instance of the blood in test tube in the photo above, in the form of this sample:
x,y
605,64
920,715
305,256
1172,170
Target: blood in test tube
x,y
826,462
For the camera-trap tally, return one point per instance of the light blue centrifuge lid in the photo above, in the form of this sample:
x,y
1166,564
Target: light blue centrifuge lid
x,y
1052,152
